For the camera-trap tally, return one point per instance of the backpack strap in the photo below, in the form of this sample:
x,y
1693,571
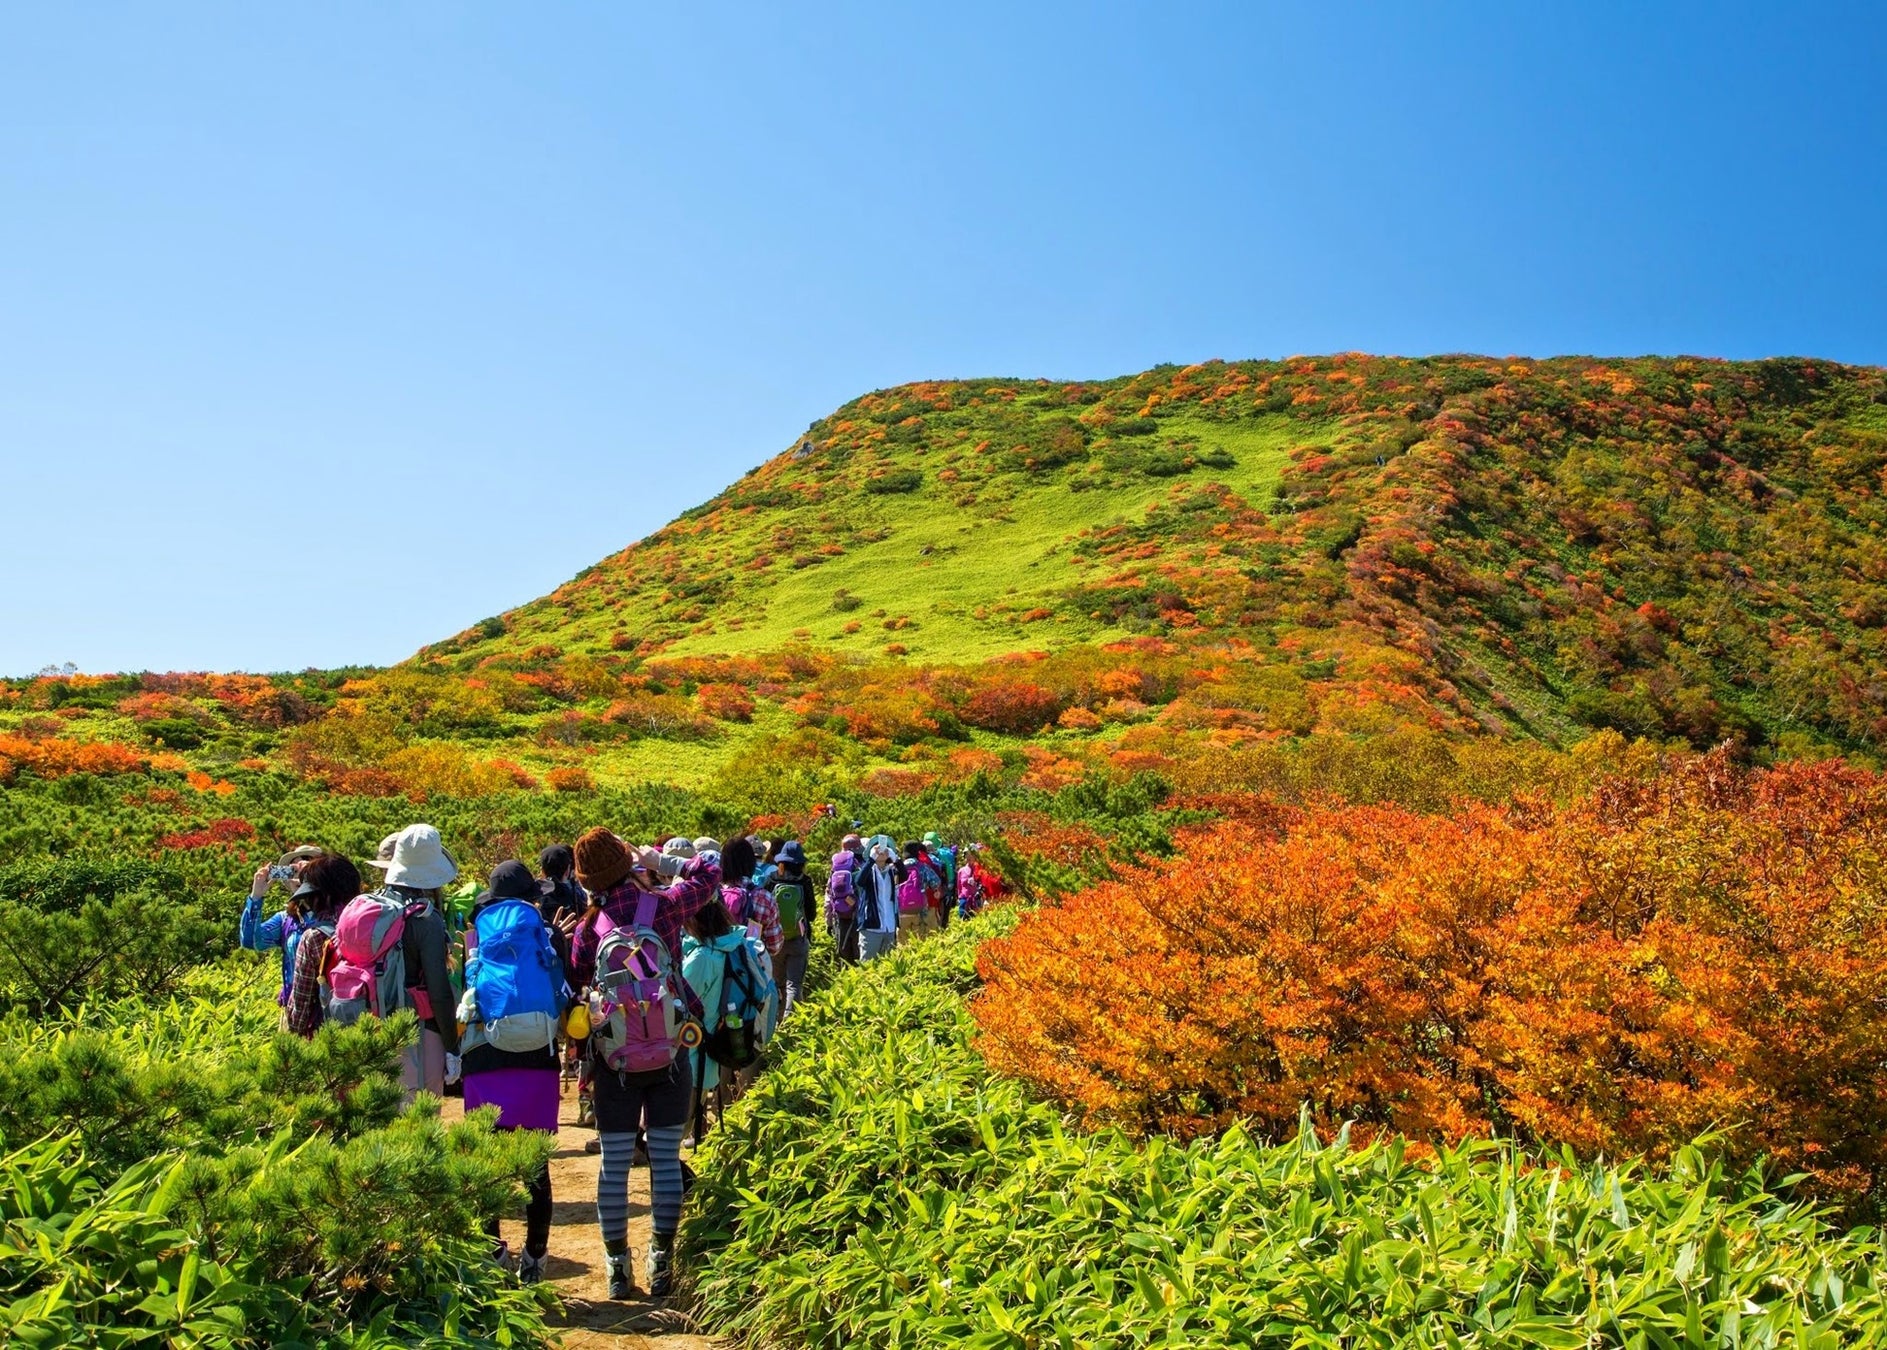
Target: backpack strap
x,y
646,904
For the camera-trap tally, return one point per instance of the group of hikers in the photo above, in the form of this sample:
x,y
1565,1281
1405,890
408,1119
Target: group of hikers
x,y
651,975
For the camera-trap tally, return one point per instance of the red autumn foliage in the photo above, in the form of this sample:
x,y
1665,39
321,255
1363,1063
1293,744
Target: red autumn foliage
x,y
217,834
725,702
1013,707
1659,958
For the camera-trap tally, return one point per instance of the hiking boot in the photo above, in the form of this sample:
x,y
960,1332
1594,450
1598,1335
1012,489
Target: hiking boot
x,y
592,1145
501,1256
531,1268
620,1285
661,1270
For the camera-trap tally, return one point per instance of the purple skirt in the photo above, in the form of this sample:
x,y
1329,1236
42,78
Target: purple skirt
x,y
526,1098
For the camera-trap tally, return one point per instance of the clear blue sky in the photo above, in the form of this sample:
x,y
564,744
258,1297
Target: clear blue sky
x,y
327,330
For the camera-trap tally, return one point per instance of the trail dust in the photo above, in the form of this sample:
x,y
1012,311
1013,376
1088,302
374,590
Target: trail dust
x,y
589,1319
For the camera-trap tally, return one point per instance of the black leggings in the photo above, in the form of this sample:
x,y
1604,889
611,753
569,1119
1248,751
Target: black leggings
x,y
536,1214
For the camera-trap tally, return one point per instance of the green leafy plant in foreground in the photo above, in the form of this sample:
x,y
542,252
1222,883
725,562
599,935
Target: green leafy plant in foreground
x,y
368,1243
881,1188
200,1179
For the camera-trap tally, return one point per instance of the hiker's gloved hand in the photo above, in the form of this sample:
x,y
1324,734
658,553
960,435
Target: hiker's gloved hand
x,y
452,1068
660,863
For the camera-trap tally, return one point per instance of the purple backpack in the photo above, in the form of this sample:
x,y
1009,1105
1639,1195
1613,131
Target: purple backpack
x,y
636,1008
841,893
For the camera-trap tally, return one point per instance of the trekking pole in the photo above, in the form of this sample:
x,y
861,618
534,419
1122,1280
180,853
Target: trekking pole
x,y
700,1118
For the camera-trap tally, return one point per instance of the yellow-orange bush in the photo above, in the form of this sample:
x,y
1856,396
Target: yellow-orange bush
x,y
1703,949
53,757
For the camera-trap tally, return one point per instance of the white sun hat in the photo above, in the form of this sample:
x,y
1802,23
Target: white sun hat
x,y
419,859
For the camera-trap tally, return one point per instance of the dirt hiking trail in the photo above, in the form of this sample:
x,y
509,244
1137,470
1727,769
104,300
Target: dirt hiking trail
x,y
589,1320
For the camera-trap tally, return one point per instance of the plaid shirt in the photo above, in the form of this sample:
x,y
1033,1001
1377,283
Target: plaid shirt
x,y
304,1012
762,914
675,905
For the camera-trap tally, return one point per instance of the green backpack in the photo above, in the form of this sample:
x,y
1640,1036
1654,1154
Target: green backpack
x,y
792,896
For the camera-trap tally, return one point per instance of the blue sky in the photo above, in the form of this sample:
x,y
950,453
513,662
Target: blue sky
x,y
326,331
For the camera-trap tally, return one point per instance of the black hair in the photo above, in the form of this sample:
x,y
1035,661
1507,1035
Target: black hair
x,y
335,880
737,859
711,921
556,862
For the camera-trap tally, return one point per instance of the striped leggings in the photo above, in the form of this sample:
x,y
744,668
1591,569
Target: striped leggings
x,y
612,1182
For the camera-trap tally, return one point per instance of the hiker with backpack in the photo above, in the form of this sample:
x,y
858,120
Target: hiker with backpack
x,y
878,886
627,951
559,898
327,884
792,901
257,934
944,859
748,903
514,997
769,855
970,893
733,976
391,951
918,895
842,907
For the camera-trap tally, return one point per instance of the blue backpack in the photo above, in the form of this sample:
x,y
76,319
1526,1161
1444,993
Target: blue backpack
x,y
514,980
751,1008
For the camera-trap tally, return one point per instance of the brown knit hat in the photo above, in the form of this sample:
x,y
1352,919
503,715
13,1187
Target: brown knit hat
x,y
603,860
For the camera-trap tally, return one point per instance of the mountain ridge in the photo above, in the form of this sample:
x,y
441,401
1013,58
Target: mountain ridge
x,y
1668,546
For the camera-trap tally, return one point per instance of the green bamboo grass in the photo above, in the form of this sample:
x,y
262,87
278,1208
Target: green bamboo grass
x,y
881,1188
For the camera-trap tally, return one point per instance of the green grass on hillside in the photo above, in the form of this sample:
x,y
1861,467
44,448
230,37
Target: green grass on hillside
x,y
933,533
1008,553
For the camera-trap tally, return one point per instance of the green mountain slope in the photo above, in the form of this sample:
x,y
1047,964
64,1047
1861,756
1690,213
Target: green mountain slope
x,y
1670,547
956,507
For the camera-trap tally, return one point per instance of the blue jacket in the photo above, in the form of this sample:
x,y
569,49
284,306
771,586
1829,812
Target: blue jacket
x,y
258,934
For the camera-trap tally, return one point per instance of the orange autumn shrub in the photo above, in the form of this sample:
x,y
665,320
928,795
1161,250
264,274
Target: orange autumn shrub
x,y
1014,707
972,760
725,702
888,782
54,757
574,778
1657,959
1050,772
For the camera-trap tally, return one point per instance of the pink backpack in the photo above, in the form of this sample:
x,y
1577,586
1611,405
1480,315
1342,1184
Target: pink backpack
x,y
369,970
969,891
636,1008
841,894
911,897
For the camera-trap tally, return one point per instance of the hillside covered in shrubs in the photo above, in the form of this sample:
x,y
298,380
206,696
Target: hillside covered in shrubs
x,y
1041,580
1446,802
